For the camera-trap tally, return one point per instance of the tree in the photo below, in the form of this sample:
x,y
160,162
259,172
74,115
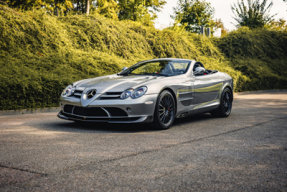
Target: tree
x,y
254,15
27,4
107,8
279,25
88,7
140,10
143,11
51,6
194,14
220,24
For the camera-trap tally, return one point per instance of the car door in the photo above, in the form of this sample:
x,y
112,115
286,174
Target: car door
x,y
206,88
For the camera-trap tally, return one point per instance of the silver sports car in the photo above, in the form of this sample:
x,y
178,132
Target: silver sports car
x,y
154,91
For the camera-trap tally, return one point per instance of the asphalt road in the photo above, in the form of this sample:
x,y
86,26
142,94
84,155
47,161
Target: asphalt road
x,y
244,152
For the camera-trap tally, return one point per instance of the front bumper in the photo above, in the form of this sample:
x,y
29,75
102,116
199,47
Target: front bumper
x,y
143,119
112,111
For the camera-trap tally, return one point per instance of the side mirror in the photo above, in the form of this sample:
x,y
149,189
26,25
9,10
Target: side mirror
x,y
124,68
199,71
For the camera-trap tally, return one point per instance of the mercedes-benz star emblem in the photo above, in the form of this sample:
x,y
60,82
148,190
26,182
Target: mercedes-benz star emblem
x,y
91,93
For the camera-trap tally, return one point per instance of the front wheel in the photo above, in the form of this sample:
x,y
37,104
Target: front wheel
x,y
164,113
224,109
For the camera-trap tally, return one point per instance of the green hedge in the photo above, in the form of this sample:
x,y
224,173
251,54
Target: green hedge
x,y
261,55
41,54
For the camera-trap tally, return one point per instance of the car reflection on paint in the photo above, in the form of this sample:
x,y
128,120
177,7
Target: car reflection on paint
x,y
155,91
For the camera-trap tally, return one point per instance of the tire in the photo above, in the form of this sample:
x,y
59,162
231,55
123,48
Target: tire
x,y
164,112
224,109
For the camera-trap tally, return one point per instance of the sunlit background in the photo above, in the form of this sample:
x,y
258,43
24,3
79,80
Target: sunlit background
x,y
222,11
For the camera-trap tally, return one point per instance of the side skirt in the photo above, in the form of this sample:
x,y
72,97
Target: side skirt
x,y
198,111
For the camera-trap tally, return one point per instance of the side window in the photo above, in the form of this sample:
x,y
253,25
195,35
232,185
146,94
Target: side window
x,y
179,67
198,70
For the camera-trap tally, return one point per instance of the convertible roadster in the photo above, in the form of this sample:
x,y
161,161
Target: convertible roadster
x,y
154,91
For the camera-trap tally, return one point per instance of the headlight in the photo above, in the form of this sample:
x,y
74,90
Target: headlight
x,y
68,91
126,93
134,93
138,92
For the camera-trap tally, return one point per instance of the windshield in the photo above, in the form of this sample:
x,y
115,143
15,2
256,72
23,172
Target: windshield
x,y
161,68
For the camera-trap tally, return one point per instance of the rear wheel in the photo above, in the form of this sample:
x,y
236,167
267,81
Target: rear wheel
x,y
224,109
164,113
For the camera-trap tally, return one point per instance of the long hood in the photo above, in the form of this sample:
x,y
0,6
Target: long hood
x,y
114,83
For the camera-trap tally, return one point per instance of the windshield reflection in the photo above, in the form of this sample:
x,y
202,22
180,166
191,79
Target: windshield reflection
x,y
158,68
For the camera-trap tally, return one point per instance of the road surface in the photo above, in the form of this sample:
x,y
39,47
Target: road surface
x,y
244,152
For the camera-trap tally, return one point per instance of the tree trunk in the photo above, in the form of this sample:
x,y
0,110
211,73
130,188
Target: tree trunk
x,y
87,7
56,8
78,5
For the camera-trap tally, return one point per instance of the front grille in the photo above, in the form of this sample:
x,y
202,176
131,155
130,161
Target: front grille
x,y
77,94
78,91
95,111
68,108
116,111
110,95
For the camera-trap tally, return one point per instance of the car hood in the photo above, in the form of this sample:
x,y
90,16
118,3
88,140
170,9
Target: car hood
x,y
114,83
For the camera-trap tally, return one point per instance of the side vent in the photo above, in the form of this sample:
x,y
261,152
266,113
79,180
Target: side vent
x,y
185,95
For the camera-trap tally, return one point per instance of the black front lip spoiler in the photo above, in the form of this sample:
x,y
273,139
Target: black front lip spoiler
x,y
144,119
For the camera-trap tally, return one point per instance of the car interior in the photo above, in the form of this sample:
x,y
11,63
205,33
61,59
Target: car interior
x,y
206,72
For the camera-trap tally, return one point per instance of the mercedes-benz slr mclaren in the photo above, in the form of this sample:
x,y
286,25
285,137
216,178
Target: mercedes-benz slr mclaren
x,y
154,91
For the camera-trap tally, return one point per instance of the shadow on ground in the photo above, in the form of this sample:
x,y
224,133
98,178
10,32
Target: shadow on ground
x,y
239,107
70,126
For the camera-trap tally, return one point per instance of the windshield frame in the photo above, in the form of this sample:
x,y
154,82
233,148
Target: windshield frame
x,y
126,73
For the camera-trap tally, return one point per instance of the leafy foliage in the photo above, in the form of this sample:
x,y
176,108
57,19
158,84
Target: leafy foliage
x,y
194,14
279,25
41,54
255,15
259,54
138,10
107,8
143,11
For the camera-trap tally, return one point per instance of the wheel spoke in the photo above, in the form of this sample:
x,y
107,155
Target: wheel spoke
x,y
227,96
166,101
165,109
169,117
162,117
226,102
169,101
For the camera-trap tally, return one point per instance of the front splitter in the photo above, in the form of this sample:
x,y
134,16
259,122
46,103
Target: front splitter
x,y
141,119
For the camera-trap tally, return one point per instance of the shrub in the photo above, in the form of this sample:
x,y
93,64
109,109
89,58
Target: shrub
x,y
261,55
41,54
